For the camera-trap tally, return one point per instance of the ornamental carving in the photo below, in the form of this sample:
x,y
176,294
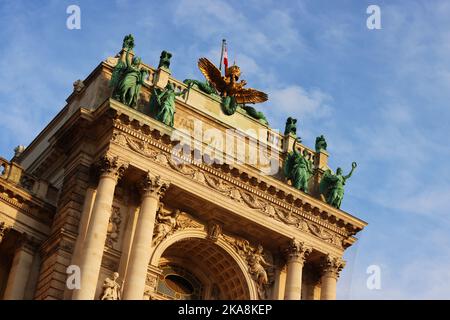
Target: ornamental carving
x,y
115,220
297,251
111,166
259,267
332,266
3,230
230,190
153,185
170,221
214,230
111,288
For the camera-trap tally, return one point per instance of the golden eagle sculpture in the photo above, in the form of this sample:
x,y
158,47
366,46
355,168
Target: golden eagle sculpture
x,y
230,88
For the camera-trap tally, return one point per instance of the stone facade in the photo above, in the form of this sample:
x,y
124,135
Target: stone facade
x,y
108,188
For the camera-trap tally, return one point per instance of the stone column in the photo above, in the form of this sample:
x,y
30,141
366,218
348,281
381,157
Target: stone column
x,y
153,189
332,266
20,269
111,169
296,255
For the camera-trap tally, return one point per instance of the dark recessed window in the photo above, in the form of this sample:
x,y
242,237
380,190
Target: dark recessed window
x,y
179,284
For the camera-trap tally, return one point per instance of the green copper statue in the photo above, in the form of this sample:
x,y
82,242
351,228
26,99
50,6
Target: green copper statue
x,y
206,86
164,60
321,144
291,126
298,168
127,76
332,186
163,103
258,115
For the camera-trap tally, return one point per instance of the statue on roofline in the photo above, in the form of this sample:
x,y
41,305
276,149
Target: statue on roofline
x,y
163,103
332,186
232,92
298,168
128,76
291,126
321,144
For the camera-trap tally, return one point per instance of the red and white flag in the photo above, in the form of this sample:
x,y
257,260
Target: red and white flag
x,y
225,56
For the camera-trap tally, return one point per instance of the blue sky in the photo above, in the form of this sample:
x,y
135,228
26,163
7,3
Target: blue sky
x,y
379,96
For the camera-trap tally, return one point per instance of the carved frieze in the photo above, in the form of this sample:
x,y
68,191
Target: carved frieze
x,y
238,194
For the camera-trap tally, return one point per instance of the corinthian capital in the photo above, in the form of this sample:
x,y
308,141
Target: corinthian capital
x,y
297,250
153,186
3,230
111,166
332,266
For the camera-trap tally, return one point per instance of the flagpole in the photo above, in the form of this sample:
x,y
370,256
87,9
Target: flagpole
x,y
221,54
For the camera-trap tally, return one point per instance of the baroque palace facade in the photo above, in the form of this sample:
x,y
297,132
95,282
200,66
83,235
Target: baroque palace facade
x,y
111,202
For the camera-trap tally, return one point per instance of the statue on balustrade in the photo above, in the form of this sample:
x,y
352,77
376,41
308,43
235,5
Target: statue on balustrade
x,y
111,288
164,60
127,77
298,168
162,103
291,126
321,144
332,186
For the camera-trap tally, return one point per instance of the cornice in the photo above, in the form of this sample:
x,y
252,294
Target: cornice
x,y
303,215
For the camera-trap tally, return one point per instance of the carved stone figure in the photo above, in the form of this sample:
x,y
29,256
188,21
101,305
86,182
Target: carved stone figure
x,y
257,265
321,144
214,231
164,60
232,92
127,77
298,168
291,126
332,186
163,103
167,223
111,288
78,86
113,227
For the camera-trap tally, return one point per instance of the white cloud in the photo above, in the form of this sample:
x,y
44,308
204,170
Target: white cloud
x,y
298,102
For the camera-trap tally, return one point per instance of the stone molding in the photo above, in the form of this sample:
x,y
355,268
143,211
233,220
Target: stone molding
x,y
153,186
235,190
297,251
111,166
332,266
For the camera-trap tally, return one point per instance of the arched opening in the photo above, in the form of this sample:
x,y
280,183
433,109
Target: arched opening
x,y
196,268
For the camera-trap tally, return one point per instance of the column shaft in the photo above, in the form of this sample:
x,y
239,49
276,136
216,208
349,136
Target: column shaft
x,y
332,266
134,286
91,256
296,255
18,275
328,290
294,280
140,251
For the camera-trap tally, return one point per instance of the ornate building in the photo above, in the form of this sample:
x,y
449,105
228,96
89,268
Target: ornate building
x,y
140,202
